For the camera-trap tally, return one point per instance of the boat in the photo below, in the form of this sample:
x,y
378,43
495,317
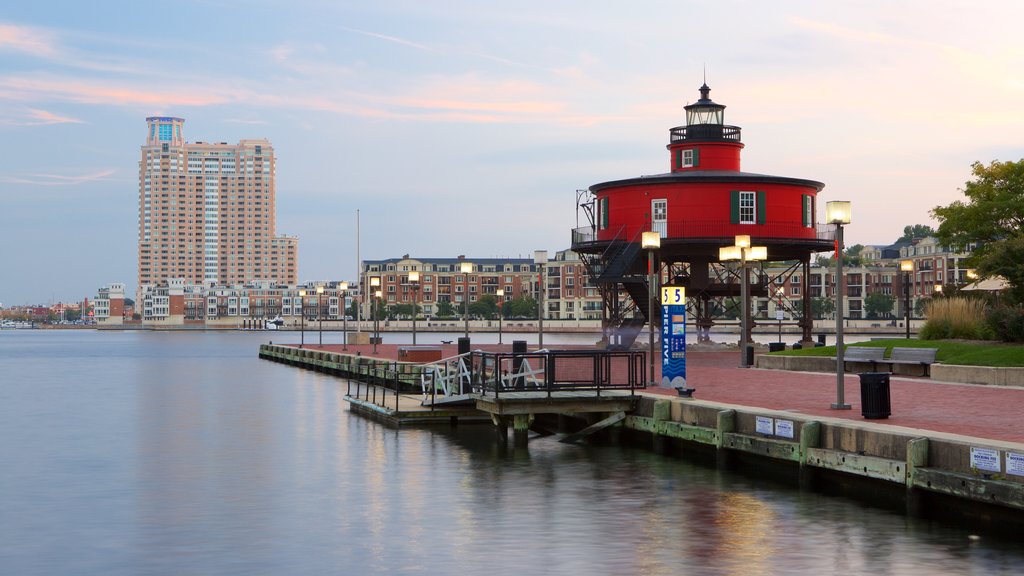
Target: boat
x,y
273,323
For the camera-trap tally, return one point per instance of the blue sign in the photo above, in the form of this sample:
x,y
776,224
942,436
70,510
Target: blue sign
x,y
673,337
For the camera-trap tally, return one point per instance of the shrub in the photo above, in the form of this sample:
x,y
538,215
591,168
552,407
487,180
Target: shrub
x,y
950,318
1007,323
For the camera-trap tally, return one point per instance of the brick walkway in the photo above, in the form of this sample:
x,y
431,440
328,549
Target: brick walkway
x,y
981,411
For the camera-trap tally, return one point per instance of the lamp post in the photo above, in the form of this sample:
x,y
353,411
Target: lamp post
x,y
465,268
302,318
320,311
342,288
780,293
906,266
500,294
376,320
745,253
838,212
414,280
375,294
650,241
540,258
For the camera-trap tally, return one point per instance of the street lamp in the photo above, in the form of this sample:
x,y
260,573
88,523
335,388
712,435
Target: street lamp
x,y
838,212
376,320
342,288
906,266
320,311
414,279
540,258
780,293
465,268
302,318
500,294
650,241
375,294
745,253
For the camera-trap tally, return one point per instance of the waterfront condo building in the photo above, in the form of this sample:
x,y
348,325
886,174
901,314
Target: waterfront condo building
x,y
207,212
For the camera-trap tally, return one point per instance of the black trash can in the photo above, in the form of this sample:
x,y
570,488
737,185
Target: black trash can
x,y
748,353
874,395
776,346
463,345
821,339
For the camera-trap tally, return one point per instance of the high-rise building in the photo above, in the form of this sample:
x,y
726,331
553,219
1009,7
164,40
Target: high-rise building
x,y
207,211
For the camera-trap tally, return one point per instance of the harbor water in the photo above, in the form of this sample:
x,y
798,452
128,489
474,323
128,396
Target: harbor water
x,y
143,453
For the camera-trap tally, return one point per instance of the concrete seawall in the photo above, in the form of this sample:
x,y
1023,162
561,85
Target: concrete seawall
x,y
918,460
991,376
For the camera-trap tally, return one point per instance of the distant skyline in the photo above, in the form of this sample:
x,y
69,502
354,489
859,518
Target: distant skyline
x,y
466,128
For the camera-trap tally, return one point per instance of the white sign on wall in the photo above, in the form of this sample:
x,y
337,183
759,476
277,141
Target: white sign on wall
x,y
765,425
784,428
986,459
1015,464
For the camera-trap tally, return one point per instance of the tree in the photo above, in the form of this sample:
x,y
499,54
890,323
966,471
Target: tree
x,y
914,232
821,307
445,309
522,307
991,220
485,307
851,257
877,304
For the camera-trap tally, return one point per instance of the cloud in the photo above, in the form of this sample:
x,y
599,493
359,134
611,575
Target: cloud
x,y
57,179
27,39
394,39
37,117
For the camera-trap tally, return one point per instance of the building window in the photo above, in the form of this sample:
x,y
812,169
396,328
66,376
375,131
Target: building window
x,y
808,211
688,158
747,207
602,213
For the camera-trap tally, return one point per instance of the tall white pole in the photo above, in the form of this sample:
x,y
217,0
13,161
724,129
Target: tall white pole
x,y
840,285
359,277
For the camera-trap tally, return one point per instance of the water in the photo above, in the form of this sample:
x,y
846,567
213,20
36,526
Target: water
x,y
183,453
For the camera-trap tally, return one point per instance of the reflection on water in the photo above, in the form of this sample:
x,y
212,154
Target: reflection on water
x,y
181,453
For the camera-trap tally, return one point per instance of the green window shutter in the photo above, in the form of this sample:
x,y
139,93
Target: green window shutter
x,y
760,207
696,157
604,213
734,207
679,158
803,210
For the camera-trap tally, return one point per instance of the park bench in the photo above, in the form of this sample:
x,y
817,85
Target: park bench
x,y
923,357
863,354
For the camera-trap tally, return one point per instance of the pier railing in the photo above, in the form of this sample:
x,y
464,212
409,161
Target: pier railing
x,y
550,371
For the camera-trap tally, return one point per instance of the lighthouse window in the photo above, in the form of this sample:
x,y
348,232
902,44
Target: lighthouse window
x,y
688,158
748,207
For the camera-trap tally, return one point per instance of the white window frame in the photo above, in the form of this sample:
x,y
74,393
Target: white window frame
x,y
748,207
687,159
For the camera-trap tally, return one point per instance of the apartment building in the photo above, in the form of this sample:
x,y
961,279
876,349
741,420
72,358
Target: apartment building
x,y
207,212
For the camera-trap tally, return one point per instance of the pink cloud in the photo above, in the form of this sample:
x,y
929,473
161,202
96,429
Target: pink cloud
x,y
26,39
57,179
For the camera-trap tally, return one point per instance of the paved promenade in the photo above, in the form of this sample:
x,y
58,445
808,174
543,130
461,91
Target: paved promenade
x,y
972,410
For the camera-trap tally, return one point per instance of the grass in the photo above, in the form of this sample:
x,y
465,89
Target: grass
x,y
950,351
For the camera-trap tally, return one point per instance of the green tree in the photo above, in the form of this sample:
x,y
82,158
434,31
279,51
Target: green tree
x,y
445,309
485,306
914,232
522,307
992,220
851,257
878,305
821,307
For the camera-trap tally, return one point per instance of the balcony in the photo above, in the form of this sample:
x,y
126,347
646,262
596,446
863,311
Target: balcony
x,y
704,132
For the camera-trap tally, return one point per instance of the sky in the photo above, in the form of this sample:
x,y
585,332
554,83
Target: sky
x,y
464,127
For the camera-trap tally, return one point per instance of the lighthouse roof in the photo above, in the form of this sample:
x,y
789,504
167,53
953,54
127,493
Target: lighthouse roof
x,y
706,176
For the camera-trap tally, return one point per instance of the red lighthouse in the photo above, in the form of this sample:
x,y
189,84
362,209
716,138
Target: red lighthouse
x,y
699,206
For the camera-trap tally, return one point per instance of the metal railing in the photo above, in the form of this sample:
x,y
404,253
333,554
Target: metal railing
x,y
718,229
550,371
705,132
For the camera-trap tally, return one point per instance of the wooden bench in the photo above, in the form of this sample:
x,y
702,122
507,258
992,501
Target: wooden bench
x,y
923,357
863,354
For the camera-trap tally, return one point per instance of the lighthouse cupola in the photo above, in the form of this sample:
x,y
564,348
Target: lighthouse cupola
x,y
705,143
705,111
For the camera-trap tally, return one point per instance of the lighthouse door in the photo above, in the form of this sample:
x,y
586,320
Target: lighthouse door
x,y
659,216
